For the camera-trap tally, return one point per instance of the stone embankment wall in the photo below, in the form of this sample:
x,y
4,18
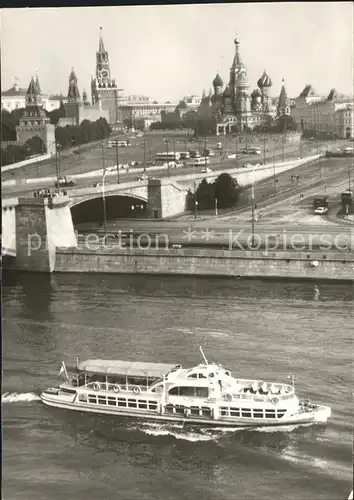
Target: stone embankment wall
x,y
209,262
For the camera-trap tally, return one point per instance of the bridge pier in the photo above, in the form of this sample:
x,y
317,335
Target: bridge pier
x,y
165,198
42,225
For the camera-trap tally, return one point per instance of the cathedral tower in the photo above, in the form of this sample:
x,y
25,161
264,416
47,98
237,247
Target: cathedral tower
x,y
264,84
283,107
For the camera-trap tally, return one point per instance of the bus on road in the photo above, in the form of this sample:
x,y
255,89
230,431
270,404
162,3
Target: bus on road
x,y
166,157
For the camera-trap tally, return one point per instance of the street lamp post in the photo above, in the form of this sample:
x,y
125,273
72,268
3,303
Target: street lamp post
x,y
57,167
105,171
236,156
274,180
264,149
253,206
168,163
117,159
144,155
102,151
195,194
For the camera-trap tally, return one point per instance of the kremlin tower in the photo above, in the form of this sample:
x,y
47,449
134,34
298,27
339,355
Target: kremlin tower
x,y
104,89
34,121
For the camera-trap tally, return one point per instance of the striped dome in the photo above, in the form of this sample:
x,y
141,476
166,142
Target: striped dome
x,y
264,81
217,82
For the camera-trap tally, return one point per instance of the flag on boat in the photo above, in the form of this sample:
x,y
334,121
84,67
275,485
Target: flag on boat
x,y
63,369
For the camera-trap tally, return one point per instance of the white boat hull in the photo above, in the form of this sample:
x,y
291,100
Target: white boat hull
x,y
318,416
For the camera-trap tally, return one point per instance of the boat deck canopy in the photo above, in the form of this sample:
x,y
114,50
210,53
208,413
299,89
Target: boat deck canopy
x,y
127,368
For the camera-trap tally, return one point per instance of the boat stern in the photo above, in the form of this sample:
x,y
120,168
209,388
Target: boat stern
x,y
322,414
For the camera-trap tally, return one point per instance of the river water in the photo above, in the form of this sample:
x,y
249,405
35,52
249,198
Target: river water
x,y
257,329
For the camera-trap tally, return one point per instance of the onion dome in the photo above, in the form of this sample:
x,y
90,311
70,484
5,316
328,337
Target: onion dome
x,y
217,82
256,93
264,81
227,92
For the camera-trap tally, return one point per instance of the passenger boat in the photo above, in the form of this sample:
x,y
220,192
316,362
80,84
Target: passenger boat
x,y
206,394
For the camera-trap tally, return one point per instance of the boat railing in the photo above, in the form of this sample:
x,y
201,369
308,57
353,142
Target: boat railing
x,y
116,388
256,397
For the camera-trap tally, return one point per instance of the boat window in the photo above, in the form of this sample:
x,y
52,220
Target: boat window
x,y
95,377
116,379
187,391
235,412
83,398
137,380
112,401
246,412
201,392
194,375
132,403
157,388
102,400
270,414
201,375
92,398
174,391
142,404
152,405
257,413
280,413
81,379
67,391
224,411
122,402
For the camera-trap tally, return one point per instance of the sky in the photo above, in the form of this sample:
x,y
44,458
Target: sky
x,y
170,51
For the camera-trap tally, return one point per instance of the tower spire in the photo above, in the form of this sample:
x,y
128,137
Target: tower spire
x,y
101,48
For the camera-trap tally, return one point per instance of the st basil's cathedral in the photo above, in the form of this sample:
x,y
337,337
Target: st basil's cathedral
x,y
235,106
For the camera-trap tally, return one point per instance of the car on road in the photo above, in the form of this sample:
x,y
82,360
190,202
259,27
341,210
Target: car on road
x,y
321,210
193,154
64,182
206,170
247,165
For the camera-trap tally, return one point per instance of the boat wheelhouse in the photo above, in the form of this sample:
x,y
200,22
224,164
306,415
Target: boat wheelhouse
x,y
205,394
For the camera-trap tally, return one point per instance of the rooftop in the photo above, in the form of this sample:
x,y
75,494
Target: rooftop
x,y
129,368
15,90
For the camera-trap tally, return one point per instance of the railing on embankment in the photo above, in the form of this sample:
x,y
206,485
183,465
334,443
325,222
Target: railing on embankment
x,y
331,265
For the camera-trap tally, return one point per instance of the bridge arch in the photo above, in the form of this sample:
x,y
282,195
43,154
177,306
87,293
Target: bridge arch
x,y
117,205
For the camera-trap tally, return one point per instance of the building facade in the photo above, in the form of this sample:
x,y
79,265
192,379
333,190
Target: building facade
x,y
104,90
34,121
331,114
234,105
15,98
76,109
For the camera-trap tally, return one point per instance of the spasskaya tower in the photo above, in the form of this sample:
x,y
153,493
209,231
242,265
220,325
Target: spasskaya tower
x,y
105,92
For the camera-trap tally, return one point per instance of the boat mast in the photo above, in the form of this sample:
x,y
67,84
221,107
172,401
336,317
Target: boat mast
x,y
201,350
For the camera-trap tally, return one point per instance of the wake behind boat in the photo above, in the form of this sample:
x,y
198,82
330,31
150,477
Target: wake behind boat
x,y
206,394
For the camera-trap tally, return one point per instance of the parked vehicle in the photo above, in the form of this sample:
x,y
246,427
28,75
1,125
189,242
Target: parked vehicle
x,y
202,161
321,210
206,170
193,154
320,201
208,152
185,155
64,182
